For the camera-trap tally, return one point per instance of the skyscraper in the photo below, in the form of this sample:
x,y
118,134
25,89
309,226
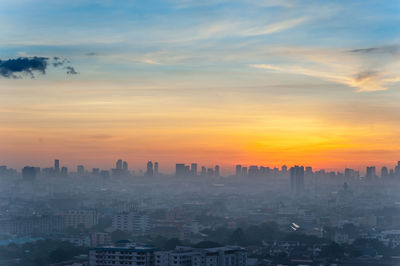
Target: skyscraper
x,y
57,166
125,166
29,173
64,171
149,171
244,171
384,172
203,171
216,173
118,164
180,169
81,170
238,170
156,168
193,169
297,179
370,172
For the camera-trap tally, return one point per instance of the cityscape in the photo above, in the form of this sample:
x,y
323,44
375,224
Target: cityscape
x,y
199,133
256,216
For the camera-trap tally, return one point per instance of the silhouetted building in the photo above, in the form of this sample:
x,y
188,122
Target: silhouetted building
x,y
80,170
238,170
57,166
29,173
216,173
156,168
149,171
309,171
180,169
284,169
64,171
297,179
253,170
125,166
203,171
371,172
244,171
384,172
95,171
118,164
193,169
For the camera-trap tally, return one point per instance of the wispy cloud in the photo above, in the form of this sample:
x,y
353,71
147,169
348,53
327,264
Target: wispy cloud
x,y
372,73
274,27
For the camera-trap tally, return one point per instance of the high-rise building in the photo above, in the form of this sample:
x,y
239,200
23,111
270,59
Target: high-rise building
x,y
81,170
397,169
149,171
29,173
238,170
118,164
180,169
297,179
253,170
125,166
371,172
284,169
244,171
95,171
384,172
309,171
156,168
64,171
57,166
203,171
216,172
193,169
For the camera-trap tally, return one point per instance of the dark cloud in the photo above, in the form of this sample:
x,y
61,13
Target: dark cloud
x,y
15,68
366,75
383,49
23,65
57,61
91,54
71,70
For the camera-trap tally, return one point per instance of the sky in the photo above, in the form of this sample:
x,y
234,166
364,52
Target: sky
x,y
262,82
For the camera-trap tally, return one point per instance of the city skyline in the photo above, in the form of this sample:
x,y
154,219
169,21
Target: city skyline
x,y
151,168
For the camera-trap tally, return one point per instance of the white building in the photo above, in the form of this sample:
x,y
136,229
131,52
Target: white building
x,y
121,254
135,222
185,256
75,218
390,238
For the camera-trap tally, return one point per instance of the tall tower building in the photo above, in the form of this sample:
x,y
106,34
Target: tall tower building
x,y
125,166
297,179
384,172
149,171
216,172
203,171
118,165
180,169
244,171
156,168
57,166
81,170
193,169
238,170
